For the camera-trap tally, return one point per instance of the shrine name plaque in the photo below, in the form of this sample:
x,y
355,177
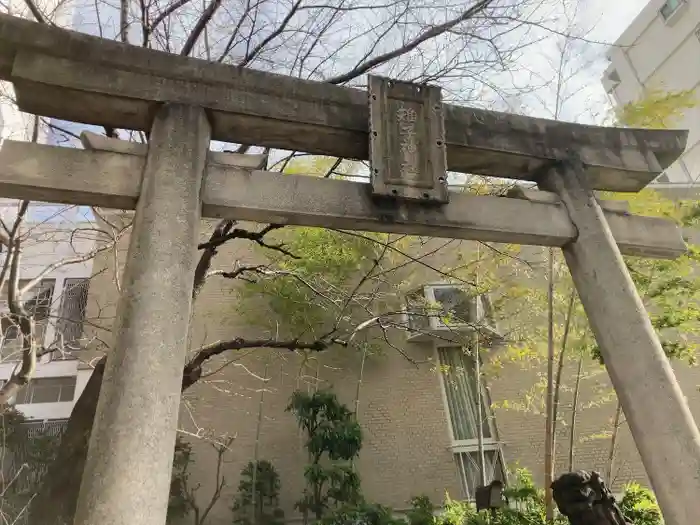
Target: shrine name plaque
x,y
407,141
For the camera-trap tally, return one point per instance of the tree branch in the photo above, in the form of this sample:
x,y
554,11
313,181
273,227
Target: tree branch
x,y
253,53
433,32
166,13
199,27
35,11
200,274
257,237
193,369
71,260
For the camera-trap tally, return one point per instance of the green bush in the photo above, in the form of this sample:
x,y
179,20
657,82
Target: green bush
x,y
526,507
259,506
333,441
639,506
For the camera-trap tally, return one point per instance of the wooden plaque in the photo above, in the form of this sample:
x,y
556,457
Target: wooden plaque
x,y
407,141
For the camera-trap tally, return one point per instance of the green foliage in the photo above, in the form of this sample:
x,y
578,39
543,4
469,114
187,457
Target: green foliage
x,y
179,499
525,507
658,109
362,514
259,506
669,288
334,439
421,512
639,506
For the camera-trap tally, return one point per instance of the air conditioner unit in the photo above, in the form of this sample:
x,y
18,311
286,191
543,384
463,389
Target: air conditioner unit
x,y
446,312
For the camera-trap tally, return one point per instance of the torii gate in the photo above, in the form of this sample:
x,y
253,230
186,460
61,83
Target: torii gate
x,y
175,180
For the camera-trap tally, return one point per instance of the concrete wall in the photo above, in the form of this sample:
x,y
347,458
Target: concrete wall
x,y
654,53
407,448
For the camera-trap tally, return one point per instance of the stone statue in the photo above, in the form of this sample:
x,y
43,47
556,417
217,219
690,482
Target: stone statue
x,y
585,500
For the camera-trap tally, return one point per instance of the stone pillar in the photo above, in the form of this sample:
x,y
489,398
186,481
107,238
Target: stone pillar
x,y
128,469
663,428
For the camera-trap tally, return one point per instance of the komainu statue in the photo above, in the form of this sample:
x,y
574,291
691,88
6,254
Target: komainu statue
x,y
585,500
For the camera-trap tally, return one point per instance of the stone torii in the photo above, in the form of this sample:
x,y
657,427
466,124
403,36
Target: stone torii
x,y
410,138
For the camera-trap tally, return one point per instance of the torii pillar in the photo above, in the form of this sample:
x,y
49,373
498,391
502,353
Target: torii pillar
x,y
656,410
140,395
183,102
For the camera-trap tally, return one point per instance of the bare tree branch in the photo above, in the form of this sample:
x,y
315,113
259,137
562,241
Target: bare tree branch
x,y
424,37
36,13
250,56
199,27
193,369
257,237
166,13
200,274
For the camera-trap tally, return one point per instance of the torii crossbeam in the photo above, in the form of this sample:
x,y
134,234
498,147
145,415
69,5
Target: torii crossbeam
x,y
175,180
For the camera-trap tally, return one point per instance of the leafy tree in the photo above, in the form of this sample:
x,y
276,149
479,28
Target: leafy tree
x,y
258,496
333,42
658,109
334,439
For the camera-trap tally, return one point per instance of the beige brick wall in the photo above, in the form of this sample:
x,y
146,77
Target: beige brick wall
x,y
406,437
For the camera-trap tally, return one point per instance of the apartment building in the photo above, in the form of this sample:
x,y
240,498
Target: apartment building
x,y
660,50
57,303
51,235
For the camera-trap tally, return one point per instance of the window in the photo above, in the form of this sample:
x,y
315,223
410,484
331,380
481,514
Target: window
x,y
455,305
460,383
461,390
72,310
442,305
47,390
670,7
468,468
37,303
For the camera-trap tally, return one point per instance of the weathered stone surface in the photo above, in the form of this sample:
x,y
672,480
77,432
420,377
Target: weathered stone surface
x,y
82,78
407,141
127,472
113,180
655,408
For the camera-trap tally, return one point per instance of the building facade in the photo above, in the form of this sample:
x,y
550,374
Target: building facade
x,y
57,303
659,50
416,397
51,234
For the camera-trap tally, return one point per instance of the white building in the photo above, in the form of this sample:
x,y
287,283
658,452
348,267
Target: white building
x,y
51,234
661,50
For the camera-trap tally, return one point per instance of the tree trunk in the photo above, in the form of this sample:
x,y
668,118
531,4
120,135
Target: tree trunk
x,y
55,502
613,440
549,401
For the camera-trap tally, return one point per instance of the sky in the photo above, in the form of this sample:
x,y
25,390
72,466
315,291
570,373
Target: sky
x,y
616,16
585,100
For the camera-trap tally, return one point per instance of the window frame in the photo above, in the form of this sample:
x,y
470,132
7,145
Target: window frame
x,y
10,336
669,16
28,398
63,323
467,446
478,311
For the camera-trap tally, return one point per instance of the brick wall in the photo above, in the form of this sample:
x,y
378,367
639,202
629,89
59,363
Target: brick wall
x,y
406,446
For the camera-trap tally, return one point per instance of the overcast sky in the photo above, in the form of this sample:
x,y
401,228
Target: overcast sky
x,y
613,16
